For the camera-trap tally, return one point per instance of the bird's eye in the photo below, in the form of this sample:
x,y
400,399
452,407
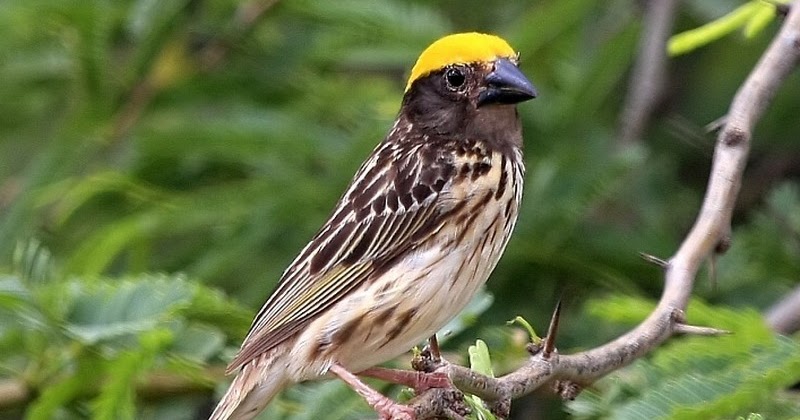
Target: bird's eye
x,y
455,78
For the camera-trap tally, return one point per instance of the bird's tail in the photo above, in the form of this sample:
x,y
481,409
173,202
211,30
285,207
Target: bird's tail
x,y
254,387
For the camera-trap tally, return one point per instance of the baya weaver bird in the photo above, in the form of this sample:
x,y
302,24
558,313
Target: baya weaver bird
x,y
418,231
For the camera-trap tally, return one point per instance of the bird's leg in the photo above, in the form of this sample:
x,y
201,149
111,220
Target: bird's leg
x,y
385,407
420,381
423,377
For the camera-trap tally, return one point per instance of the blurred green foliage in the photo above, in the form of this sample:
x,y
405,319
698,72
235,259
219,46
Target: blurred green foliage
x,y
739,374
158,152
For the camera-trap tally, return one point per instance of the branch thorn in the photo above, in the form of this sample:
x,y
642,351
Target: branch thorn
x,y
716,125
654,260
550,341
698,330
433,343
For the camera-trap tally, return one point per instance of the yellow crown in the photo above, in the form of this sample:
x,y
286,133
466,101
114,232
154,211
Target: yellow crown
x,y
462,48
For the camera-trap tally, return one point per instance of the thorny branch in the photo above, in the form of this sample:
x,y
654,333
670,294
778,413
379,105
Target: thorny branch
x,y
711,228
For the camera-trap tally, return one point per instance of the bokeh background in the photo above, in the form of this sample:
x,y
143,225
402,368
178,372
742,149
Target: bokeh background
x,y
162,161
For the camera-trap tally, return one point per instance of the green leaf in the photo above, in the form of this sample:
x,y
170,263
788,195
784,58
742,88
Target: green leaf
x,y
13,294
33,261
753,16
479,411
479,359
759,20
619,309
116,399
198,343
212,307
95,255
527,326
105,311
57,393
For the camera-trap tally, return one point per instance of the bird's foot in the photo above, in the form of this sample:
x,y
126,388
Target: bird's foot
x,y
390,410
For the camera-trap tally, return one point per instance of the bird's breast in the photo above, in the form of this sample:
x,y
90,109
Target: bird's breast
x,y
432,283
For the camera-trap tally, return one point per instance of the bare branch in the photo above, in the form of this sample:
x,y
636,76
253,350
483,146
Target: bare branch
x,y
440,403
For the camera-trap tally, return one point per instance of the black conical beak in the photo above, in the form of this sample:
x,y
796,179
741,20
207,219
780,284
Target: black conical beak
x,y
506,85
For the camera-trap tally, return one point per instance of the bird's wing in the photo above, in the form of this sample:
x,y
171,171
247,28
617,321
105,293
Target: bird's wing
x,y
391,205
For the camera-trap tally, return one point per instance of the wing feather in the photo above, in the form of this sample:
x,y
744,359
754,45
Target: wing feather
x,y
354,244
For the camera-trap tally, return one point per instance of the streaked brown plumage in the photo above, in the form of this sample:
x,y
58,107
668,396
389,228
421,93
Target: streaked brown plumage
x,y
417,232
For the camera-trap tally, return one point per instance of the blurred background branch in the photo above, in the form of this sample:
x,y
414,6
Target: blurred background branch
x,y
157,386
784,316
649,73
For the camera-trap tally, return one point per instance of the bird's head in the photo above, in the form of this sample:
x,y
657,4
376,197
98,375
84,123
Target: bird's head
x,y
482,65
462,74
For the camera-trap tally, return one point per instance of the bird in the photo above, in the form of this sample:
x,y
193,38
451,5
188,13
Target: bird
x,y
415,235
